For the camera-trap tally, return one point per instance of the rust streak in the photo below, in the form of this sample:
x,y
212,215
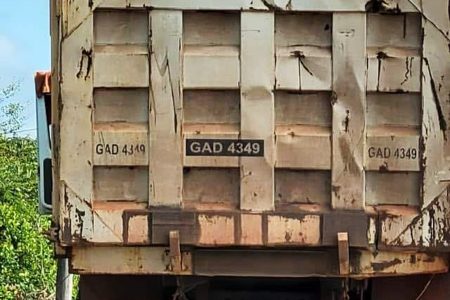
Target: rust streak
x,y
270,4
85,55
381,266
442,121
381,6
415,221
408,72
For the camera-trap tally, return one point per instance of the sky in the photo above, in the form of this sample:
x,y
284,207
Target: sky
x,y
24,49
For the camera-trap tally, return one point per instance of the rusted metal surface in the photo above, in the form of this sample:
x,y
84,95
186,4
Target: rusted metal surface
x,y
196,228
402,263
200,229
163,222
293,230
42,81
127,260
124,224
251,229
356,224
349,100
313,263
222,262
214,230
427,229
175,252
343,252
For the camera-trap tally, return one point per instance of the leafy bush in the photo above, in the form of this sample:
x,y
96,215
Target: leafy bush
x,y
27,269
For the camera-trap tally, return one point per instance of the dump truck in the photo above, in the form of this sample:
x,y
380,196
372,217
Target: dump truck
x,y
250,149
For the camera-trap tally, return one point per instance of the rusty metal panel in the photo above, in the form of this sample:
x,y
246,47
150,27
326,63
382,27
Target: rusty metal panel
x,y
284,263
311,263
267,124
356,224
425,229
164,222
124,260
293,230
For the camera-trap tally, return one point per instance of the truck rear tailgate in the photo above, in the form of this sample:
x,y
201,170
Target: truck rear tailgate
x,y
265,124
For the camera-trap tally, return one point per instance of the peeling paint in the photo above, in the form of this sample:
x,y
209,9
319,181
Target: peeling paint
x,y
372,232
380,266
86,58
398,263
211,225
382,6
428,229
289,230
408,68
271,5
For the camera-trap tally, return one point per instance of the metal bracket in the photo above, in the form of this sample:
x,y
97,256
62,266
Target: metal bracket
x,y
175,251
60,252
343,250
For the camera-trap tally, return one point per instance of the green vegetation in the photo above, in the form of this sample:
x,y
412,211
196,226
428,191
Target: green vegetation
x,y
27,268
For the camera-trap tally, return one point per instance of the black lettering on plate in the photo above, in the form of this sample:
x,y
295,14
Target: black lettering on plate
x,y
222,147
401,153
118,149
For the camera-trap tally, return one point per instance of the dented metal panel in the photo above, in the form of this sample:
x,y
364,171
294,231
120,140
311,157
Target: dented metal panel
x,y
267,124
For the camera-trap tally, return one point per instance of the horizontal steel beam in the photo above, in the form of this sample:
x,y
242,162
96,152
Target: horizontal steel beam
x,y
251,262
